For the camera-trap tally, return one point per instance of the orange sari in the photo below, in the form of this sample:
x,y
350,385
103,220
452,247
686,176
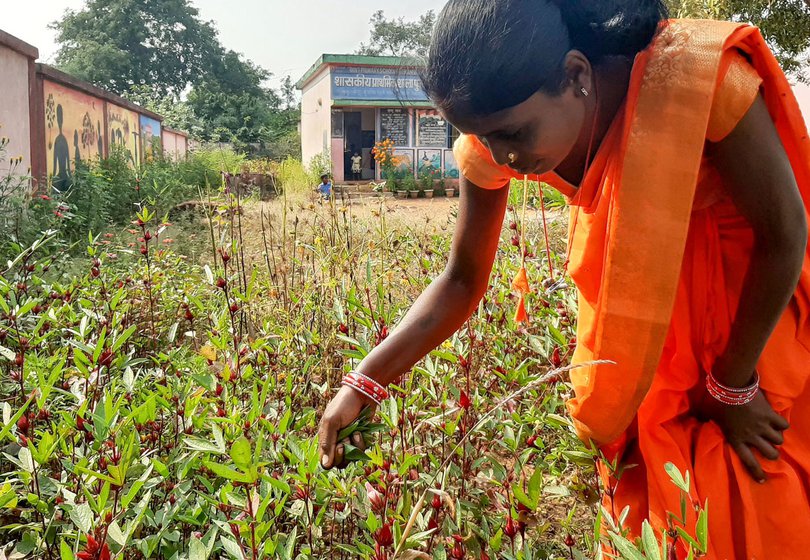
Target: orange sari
x,y
659,254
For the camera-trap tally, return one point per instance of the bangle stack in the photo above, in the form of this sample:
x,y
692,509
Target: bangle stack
x,y
734,396
365,385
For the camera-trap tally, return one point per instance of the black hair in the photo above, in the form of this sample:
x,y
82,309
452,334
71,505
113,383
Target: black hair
x,y
324,176
489,55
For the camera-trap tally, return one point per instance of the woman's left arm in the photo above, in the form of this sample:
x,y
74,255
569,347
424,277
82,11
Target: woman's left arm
x,y
760,181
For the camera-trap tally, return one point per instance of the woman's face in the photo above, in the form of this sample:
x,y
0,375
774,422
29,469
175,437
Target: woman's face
x,y
541,132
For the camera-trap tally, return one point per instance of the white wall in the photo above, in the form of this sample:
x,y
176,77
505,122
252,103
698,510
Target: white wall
x,y
316,116
15,123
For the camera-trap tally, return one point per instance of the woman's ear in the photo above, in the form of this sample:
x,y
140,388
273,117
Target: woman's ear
x,y
578,72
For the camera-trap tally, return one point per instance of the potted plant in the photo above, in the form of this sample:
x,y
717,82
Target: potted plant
x,y
441,185
450,191
398,188
410,185
426,182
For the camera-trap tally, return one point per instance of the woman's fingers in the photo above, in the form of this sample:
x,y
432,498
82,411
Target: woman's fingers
x,y
750,462
766,448
779,422
773,436
339,452
327,434
358,441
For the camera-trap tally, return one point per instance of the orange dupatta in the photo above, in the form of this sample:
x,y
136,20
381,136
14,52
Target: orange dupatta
x,y
668,107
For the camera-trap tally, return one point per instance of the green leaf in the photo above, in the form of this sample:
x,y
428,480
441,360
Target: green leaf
x,y
115,533
82,517
702,528
123,338
26,459
65,552
522,497
227,472
197,550
198,444
230,546
626,548
650,542
535,486
160,468
688,538
676,477
241,454
352,453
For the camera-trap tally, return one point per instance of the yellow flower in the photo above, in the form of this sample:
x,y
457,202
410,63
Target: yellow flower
x,y
208,352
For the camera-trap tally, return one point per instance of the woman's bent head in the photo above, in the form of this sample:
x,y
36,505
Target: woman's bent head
x,y
516,72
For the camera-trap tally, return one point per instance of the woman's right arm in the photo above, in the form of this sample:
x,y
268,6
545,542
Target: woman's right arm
x,y
438,312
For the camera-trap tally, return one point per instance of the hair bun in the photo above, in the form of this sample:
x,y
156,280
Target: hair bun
x,y
611,27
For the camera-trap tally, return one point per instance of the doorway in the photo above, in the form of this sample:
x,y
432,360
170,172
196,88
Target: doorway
x,y
359,129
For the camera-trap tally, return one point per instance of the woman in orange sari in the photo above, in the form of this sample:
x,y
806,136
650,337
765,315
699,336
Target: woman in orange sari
x,y
684,157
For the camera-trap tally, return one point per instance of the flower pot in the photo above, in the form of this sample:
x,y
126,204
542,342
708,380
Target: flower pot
x,y
450,192
413,194
428,194
402,194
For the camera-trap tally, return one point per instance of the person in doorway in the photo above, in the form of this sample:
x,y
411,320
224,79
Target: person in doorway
x,y
682,152
357,166
325,188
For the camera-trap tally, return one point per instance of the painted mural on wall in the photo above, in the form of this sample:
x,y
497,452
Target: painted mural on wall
x,y
123,130
428,162
151,144
73,131
450,165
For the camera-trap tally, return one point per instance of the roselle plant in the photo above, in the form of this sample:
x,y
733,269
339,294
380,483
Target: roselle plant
x,y
162,403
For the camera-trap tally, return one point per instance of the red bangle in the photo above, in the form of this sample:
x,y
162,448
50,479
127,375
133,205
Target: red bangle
x,y
734,396
365,385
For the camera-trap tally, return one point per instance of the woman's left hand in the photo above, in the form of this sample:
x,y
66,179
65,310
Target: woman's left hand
x,y
746,427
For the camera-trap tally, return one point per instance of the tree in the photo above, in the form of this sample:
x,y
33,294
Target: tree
x,y
785,24
177,114
396,37
232,101
120,44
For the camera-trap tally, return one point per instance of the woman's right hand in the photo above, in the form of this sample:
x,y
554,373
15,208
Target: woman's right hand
x,y
341,411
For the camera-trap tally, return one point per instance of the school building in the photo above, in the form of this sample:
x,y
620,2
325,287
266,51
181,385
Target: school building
x,y
349,102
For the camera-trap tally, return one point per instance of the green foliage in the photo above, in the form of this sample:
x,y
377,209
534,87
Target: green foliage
x,y
205,166
24,215
155,52
119,44
396,37
167,408
293,177
177,114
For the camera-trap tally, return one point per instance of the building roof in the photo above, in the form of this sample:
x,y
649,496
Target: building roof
x,y
18,45
357,60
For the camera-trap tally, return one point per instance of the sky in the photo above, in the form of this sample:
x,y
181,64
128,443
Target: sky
x,y
284,36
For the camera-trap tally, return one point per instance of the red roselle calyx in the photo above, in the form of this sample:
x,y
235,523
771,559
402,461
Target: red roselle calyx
x,y
569,541
556,360
23,424
383,536
510,529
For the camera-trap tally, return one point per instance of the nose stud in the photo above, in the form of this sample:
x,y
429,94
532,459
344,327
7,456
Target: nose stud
x,y
512,157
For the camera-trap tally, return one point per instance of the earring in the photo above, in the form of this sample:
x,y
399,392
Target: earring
x,y
512,157
584,91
